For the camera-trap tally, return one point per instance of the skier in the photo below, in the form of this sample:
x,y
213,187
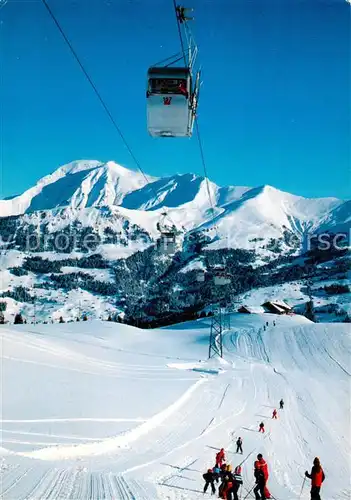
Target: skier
x,y
317,476
237,482
260,484
216,473
261,427
220,458
274,414
274,323
239,445
223,483
225,489
209,480
261,466
223,471
281,404
228,488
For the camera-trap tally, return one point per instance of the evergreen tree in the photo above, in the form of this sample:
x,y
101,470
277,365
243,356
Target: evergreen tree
x,y
109,317
85,317
2,318
18,319
77,318
309,311
61,320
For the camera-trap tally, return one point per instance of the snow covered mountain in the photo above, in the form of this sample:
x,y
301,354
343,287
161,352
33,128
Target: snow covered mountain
x,y
79,184
87,233
240,215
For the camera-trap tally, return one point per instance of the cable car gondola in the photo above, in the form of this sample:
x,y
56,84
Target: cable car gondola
x,y
200,276
171,94
167,242
220,276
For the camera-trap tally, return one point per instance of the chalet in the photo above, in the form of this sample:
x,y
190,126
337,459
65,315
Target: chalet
x,y
277,307
251,310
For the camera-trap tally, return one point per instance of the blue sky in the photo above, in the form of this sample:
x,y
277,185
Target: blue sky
x,y
274,108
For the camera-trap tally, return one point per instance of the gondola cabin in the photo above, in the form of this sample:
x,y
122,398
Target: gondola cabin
x,y
220,276
167,243
221,280
200,276
169,102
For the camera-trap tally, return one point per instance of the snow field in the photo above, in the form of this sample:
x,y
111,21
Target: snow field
x,y
106,411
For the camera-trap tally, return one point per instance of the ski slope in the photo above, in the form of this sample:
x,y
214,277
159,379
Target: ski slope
x,y
106,411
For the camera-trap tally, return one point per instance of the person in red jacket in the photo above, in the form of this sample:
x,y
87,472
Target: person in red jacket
x,y
182,89
261,468
317,476
261,427
274,414
227,489
220,458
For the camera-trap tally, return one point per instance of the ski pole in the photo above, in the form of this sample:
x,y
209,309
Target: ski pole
x,y
243,461
241,492
249,493
302,487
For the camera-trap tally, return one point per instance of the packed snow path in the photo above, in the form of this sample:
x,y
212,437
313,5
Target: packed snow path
x,y
105,411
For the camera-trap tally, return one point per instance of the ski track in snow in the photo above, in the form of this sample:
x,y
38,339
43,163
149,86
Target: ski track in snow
x,y
165,454
72,483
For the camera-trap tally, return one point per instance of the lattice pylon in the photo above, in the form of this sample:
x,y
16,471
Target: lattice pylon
x,y
216,338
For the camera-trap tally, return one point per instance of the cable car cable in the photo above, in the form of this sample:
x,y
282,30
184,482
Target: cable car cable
x,y
104,105
180,32
197,124
95,89
167,59
204,166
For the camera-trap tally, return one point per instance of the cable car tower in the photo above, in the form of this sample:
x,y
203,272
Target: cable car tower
x,y
172,91
216,337
219,321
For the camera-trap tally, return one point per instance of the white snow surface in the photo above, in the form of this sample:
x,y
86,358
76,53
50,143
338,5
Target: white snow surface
x,y
98,410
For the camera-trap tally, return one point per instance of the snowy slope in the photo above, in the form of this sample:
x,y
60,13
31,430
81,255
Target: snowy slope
x,y
110,411
339,218
265,212
327,308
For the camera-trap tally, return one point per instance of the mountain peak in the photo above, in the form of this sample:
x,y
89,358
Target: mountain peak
x,y
75,166
79,184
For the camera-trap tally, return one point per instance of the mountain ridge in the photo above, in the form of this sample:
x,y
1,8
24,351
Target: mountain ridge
x,y
234,216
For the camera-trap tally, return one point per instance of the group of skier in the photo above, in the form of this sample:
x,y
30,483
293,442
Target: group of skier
x,y
231,482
